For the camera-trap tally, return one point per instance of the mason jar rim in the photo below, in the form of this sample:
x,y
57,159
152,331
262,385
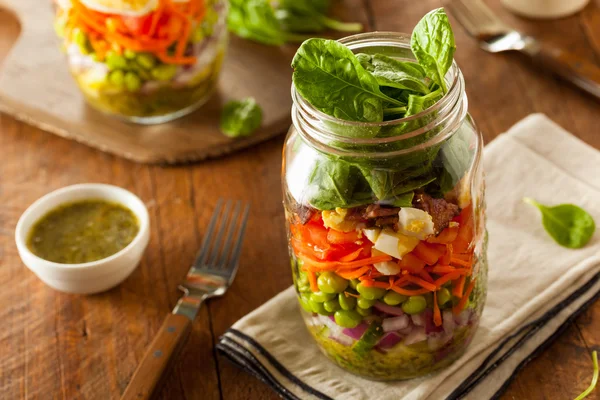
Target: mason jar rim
x,y
305,115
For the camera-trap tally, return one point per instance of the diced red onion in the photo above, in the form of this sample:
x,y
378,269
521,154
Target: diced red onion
x,y
430,327
395,324
462,319
357,332
391,310
389,340
336,332
437,340
406,330
418,319
417,335
448,321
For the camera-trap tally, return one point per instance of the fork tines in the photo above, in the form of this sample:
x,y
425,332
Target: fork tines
x,y
222,243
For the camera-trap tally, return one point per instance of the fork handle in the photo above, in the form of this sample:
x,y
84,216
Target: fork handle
x,y
161,354
569,66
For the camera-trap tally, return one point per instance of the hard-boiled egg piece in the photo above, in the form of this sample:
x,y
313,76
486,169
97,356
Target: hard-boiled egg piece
x,y
336,219
372,234
130,8
414,222
387,268
395,244
406,244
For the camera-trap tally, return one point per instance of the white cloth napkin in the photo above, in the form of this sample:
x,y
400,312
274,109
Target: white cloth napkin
x,y
535,286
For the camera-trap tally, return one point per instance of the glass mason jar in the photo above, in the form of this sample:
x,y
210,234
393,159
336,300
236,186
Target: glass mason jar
x,y
149,66
386,229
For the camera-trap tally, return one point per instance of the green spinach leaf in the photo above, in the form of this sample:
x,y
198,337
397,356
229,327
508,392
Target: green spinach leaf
x,y
328,76
394,73
432,43
256,20
241,118
309,16
569,225
336,183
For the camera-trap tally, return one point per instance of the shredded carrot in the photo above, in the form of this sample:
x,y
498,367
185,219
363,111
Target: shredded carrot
x,y
425,275
463,301
348,294
446,278
377,284
354,274
430,253
424,284
352,256
460,262
447,236
332,265
445,259
408,292
437,316
411,263
459,287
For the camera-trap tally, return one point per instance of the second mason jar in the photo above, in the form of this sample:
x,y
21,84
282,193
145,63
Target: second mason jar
x,y
148,62
386,234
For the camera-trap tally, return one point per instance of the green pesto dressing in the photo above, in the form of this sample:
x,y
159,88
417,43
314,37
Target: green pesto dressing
x,y
83,231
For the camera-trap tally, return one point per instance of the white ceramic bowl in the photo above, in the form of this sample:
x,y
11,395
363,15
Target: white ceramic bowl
x,y
95,276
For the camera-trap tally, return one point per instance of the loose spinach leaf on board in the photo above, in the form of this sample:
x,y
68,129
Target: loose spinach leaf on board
x,y
569,225
336,183
309,16
256,20
241,118
390,72
432,43
328,76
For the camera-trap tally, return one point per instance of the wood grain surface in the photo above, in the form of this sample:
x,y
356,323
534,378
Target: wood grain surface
x,y
58,346
36,87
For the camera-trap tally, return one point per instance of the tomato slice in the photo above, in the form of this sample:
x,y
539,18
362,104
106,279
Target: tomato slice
x,y
337,237
138,25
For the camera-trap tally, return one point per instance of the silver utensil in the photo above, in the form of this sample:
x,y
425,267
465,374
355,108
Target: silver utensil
x,y
210,276
494,36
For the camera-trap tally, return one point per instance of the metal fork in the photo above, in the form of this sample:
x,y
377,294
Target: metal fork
x,y
494,36
210,276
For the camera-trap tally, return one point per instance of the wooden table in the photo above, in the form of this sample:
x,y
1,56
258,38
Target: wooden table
x,y
59,346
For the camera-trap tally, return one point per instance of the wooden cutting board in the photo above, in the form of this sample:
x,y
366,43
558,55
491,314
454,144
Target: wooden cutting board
x,y
36,87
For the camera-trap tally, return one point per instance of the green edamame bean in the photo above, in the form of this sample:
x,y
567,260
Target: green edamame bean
x,y
146,60
164,72
332,305
364,311
198,34
414,305
330,282
392,298
321,297
365,303
347,318
115,61
443,296
346,302
318,308
370,293
304,301
129,54
354,283
117,78
132,82
82,41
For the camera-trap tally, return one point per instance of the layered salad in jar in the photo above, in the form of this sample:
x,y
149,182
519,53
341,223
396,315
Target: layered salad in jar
x,y
146,61
386,224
